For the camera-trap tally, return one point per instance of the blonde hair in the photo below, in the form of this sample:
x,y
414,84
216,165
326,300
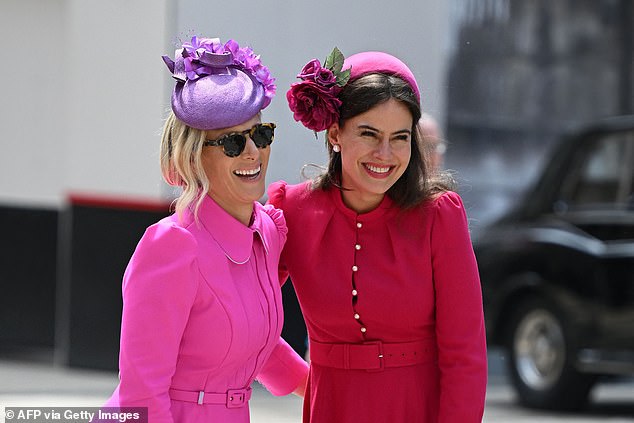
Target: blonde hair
x,y
181,163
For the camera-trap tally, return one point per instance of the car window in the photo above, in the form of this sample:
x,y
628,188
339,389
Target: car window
x,y
605,175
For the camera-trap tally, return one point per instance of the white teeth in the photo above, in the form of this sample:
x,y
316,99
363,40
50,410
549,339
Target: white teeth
x,y
377,169
248,172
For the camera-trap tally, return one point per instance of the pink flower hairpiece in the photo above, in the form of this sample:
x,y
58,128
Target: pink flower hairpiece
x,y
314,101
197,63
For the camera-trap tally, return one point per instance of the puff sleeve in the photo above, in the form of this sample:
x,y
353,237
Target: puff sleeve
x,y
459,316
277,195
277,216
159,289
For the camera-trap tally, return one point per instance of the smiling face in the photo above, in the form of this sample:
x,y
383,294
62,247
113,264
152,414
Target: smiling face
x,y
375,151
236,182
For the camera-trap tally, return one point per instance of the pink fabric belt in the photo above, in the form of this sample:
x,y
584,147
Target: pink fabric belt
x,y
373,355
233,398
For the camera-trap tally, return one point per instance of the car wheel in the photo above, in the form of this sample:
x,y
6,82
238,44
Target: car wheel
x,y
541,348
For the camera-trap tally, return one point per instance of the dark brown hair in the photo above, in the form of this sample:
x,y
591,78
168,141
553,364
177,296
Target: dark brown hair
x,y
362,94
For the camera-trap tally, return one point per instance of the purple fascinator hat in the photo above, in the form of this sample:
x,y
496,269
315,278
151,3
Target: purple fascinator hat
x,y
315,101
218,85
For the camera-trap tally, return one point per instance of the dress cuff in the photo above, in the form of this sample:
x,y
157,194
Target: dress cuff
x,y
284,370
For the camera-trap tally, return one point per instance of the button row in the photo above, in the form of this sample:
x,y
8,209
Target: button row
x,y
354,291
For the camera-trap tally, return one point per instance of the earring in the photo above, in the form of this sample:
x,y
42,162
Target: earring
x,y
336,148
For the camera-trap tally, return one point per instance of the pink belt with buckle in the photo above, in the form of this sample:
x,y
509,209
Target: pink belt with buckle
x,y
373,355
233,398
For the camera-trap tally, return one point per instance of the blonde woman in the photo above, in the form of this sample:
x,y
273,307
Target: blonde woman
x,y
202,310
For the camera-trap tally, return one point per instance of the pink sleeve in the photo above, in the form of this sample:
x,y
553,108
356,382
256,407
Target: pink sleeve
x,y
277,216
159,287
459,318
277,195
284,370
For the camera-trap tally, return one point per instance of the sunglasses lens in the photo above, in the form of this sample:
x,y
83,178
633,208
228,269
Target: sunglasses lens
x,y
263,135
234,145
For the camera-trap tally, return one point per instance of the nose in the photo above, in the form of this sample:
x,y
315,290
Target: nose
x,y
384,149
250,150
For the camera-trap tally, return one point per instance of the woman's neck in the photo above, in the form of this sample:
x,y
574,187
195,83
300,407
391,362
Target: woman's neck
x,y
243,213
361,203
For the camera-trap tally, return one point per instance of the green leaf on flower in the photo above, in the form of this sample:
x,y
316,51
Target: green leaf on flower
x,y
342,77
334,61
330,60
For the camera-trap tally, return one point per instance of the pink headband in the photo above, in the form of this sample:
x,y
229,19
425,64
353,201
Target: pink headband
x,y
378,62
314,100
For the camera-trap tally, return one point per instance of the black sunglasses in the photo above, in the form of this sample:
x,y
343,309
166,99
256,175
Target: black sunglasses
x,y
233,144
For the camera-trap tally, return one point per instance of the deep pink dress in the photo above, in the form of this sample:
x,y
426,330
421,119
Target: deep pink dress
x,y
391,276
202,316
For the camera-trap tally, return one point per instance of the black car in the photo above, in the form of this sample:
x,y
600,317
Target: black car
x,y
558,271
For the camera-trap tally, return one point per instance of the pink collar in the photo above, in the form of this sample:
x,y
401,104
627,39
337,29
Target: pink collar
x,y
233,238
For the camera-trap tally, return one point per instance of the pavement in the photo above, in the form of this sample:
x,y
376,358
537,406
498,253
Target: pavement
x,y
28,382
41,384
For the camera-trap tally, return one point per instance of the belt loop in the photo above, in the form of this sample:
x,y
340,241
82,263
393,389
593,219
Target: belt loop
x,y
379,356
346,356
201,397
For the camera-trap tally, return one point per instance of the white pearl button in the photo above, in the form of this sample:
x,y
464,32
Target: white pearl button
x,y
356,316
355,268
357,247
354,292
363,330
359,225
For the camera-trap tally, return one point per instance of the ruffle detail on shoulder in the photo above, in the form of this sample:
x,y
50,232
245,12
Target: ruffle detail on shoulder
x,y
277,194
277,216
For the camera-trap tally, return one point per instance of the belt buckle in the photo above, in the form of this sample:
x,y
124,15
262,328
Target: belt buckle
x,y
236,398
379,354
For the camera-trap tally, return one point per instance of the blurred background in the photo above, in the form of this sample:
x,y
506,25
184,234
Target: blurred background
x,y
85,94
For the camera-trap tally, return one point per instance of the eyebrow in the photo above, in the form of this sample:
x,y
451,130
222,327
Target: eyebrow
x,y
402,131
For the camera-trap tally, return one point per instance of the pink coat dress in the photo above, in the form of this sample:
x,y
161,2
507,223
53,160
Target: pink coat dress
x,y
393,307
202,317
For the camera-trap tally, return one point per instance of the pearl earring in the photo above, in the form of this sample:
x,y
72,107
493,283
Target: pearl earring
x,y
336,148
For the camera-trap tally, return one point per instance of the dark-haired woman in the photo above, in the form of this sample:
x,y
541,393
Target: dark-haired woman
x,y
380,257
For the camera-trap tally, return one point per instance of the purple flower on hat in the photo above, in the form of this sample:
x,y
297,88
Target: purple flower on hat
x,y
309,70
245,59
314,100
233,47
315,72
325,77
264,76
193,51
209,44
